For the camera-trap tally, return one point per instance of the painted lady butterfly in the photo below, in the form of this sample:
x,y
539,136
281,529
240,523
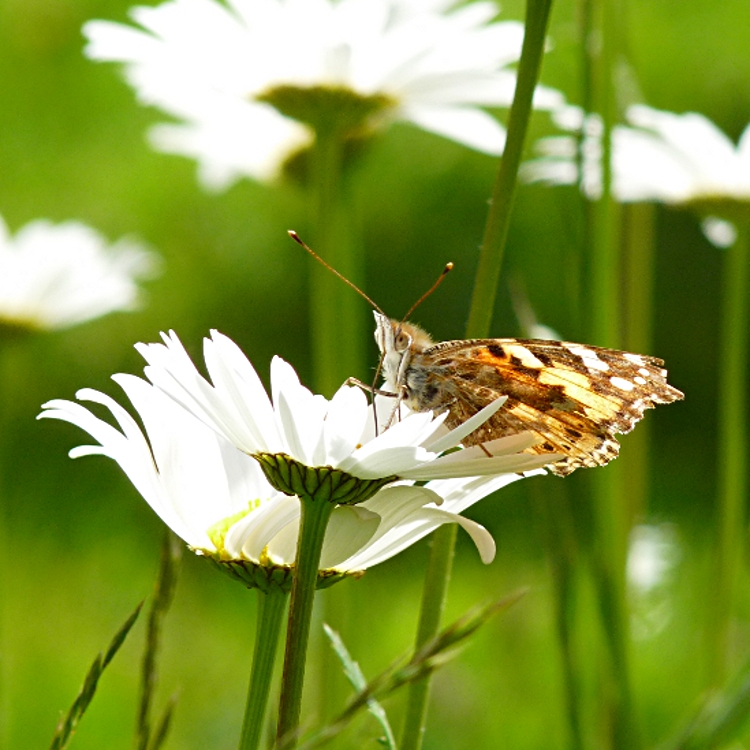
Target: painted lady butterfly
x,y
573,397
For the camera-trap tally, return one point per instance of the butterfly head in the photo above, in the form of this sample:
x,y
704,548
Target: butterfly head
x,y
397,342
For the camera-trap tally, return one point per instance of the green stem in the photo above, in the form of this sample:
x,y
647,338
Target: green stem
x,y
433,602
314,516
503,192
335,311
610,507
558,527
638,223
480,317
733,445
271,605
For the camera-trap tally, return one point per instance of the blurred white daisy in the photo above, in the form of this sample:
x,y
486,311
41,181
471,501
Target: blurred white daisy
x,y
216,498
653,555
55,276
340,434
215,67
658,156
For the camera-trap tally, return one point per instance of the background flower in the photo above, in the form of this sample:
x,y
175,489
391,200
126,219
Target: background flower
x,y
55,276
207,64
657,156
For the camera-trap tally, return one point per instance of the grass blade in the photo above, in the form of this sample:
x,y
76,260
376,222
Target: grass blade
x,y
68,724
359,683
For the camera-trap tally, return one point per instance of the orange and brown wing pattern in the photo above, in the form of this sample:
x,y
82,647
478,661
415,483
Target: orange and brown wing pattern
x,y
575,398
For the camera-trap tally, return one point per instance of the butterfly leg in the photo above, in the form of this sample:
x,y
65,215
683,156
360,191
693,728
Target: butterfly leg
x,y
370,388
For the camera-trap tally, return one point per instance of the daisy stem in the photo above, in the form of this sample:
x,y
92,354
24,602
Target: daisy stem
x,y
335,315
611,513
638,224
480,317
314,517
271,605
503,191
733,447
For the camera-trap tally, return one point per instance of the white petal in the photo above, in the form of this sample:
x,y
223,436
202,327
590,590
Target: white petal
x,y
457,434
411,522
350,529
235,378
470,126
344,423
252,533
300,414
457,465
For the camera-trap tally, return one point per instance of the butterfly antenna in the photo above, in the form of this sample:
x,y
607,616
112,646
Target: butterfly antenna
x,y
448,268
343,278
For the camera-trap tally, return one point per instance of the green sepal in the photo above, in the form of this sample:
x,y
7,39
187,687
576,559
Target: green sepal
x,y
317,482
329,109
268,576
12,330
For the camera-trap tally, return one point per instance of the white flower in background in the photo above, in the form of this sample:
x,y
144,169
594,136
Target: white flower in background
x,y
316,432
207,64
719,232
55,276
653,555
658,156
217,500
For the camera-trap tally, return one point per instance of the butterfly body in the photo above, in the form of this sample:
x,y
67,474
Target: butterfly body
x,y
573,397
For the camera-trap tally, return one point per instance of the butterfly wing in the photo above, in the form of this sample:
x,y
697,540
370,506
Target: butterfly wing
x,y
575,398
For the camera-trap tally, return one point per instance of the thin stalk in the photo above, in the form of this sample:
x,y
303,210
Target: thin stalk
x,y
5,555
559,535
314,516
503,191
271,605
434,596
638,223
166,583
480,317
335,312
733,450
611,510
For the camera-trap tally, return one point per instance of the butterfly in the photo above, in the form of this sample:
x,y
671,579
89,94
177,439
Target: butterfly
x,y
573,397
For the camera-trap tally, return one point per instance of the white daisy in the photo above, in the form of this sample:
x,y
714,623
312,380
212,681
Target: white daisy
x,y
310,429
209,64
55,276
658,156
217,500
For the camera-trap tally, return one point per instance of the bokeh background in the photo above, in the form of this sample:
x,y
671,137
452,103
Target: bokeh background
x,y
81,548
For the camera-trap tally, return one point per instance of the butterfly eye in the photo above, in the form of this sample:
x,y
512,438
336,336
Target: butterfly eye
x,y
402,341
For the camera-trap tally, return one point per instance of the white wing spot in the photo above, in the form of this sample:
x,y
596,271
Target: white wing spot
x,y
622,384
527,357
589,357
644,372
638,379
634,358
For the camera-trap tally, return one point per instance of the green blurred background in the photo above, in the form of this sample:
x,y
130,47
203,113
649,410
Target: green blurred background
x,y
81,547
